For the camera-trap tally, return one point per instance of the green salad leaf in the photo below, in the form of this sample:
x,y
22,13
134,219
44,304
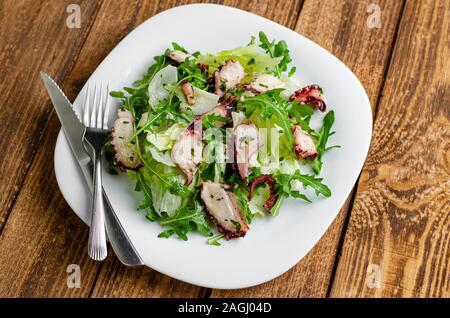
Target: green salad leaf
x,y
324,134
215,239
252,58
185,220
288,185
278,50
284,183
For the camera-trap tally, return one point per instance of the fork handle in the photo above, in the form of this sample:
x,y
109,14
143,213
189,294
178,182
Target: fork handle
x,y
97,235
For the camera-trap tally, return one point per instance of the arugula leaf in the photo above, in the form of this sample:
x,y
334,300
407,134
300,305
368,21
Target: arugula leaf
x,y
275,210
292,71
313,182
302,114
324,133
117,94
189,70
178,47
271,105
275,50
142,186
185,220
215,239
303,110
242,198
208,173
211,120
284,185
147,203
161,62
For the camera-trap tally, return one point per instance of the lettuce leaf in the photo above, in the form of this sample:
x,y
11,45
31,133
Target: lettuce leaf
x,y
204,101
165,140
157,89
260,196
163,157
163,200
253,58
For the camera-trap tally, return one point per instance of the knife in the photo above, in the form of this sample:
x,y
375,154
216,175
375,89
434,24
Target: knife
x,y
73,130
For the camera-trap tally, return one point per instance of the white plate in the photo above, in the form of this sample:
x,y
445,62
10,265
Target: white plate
x,y
273,245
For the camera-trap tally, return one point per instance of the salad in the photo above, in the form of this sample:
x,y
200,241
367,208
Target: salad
x,y
216,140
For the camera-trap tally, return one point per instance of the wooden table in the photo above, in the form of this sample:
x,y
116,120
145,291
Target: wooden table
x,y
392,237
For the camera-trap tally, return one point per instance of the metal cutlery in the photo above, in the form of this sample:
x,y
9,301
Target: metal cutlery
x,y
95,120
74,130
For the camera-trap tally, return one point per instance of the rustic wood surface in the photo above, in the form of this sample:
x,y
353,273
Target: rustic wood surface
x,y
400,219
390,239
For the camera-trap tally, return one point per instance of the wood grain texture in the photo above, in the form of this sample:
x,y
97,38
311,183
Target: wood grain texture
x,y
144,282
26,28
341,28
43,236
398,238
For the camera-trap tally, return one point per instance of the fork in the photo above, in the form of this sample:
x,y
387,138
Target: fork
x,y
95,119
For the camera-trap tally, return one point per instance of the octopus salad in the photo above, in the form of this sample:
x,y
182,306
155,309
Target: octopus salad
x,y
214,141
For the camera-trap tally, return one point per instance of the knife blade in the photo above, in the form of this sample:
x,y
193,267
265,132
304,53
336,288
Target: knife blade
x,y
73,131
71,124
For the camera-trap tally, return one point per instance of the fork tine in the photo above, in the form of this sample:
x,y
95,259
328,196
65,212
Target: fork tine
x,y
106,112
100,107
94,106
86,105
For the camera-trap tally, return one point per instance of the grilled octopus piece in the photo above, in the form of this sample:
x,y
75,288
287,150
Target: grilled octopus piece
x,y
203,67
246,144
124,151
303,144
216,79
310,95
179,56
270,181
228,76
263,83
223,208
188,91
187,150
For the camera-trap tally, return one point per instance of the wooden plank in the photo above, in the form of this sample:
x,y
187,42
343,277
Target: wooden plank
x,y
115,280
341,28
282,12
43,236
34,37
398,238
